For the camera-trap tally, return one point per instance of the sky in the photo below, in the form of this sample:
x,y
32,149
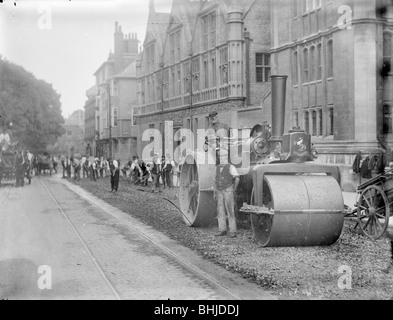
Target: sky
x,y
64,42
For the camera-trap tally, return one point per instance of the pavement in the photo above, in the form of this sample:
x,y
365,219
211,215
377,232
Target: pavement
x,y
350,199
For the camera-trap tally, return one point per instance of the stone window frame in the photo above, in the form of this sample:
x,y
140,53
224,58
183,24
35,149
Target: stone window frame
x,y
214,71
319,62
330,131
388,56
307,121
196,66
306,75
178,80
262,67
387,110
165,84
314,122
329,59
224,60
295,69
312,62
186,77
115,117
206,82
320,121
309,6
209,30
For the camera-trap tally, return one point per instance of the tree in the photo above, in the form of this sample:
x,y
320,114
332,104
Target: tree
x,y
31,105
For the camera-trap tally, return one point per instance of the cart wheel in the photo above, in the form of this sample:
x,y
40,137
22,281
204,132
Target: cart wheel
x,y
373,212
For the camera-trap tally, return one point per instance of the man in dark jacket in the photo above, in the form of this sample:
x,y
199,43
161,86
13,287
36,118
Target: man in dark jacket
x,y
155,171
19,170
356,163
226,183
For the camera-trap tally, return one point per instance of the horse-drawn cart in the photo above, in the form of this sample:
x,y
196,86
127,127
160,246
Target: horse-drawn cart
x,y
7,166
374,203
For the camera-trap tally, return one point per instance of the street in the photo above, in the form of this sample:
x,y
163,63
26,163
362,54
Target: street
x,y
58,242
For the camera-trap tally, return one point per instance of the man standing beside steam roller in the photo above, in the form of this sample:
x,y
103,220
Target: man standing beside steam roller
x,y
225,186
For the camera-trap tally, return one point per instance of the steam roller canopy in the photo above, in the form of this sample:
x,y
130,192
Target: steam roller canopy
x,y
308,211
195,194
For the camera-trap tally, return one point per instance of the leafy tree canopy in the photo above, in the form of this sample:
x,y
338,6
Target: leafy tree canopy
x,y
31,105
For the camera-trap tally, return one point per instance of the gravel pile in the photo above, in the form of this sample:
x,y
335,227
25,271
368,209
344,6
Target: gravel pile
x,y
291,273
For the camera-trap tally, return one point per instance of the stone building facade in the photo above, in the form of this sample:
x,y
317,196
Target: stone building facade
x,y
337,55
116,83
333,52
72,142
204,56
90,121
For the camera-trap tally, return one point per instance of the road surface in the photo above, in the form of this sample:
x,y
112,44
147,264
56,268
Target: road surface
x,y
59,242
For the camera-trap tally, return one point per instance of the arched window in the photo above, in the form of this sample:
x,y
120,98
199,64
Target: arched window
x,y
331,121
295,74
307,122
319,62
206,72
305,65
314,123
387,119
320,118
387,53
312,63
330,59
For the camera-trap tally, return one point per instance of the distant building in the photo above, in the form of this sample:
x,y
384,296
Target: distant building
x,y
72,142
90,132
116,83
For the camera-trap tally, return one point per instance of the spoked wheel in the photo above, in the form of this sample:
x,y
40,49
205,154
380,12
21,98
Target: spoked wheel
x,y
373,212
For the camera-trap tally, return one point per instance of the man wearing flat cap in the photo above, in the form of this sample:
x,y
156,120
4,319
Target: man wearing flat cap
x,y
217,133
221,128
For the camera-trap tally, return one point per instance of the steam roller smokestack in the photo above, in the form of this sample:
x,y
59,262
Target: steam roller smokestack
x,y
279,86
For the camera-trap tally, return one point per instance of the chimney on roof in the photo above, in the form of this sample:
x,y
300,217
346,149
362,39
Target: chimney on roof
x,y
132,44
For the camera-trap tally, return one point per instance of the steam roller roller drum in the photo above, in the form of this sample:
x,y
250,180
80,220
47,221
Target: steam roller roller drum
x,y
196,195
308,211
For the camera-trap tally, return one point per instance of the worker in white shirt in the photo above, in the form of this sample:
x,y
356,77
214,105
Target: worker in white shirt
x,y
5,140
115,174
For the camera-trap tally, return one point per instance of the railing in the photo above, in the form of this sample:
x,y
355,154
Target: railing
x,y
206,95
175,102
224,91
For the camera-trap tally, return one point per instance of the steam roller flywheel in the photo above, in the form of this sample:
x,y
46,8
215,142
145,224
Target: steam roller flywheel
x,y
196,195
307,210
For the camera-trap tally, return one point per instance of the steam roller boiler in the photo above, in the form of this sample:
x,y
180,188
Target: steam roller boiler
x,y
291,200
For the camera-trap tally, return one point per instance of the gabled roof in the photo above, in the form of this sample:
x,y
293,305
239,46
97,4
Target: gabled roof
x,y
156,29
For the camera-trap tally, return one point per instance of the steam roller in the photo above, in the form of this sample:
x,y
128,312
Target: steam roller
x,y
291,200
